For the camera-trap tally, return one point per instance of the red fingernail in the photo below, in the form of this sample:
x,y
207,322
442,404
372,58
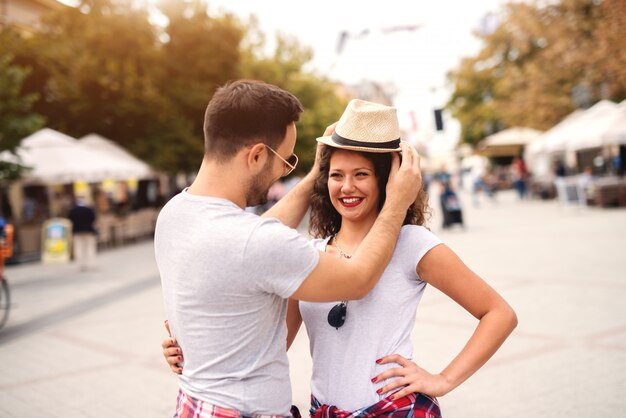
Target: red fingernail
x,y
374,380
180,358
379,360
379,390
178,350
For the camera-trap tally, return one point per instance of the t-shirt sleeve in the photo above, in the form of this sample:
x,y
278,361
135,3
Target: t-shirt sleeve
x,y
414,242
278,258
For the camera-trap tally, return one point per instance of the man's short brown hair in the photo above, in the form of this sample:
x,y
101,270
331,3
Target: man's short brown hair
x,y
245,112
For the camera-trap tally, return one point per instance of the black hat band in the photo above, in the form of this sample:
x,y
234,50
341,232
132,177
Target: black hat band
x,y
390,145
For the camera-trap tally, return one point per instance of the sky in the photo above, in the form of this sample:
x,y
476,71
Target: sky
x,y
415,61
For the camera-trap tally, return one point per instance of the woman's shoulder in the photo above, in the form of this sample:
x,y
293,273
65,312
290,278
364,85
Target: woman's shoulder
x,y
414,242
417,234
415,230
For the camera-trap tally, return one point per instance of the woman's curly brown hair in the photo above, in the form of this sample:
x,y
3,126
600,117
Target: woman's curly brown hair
x,y
325,220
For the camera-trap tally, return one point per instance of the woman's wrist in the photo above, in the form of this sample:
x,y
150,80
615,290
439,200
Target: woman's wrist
x,y
447,384
313,174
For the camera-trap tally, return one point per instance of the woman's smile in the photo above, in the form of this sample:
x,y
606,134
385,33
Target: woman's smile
x,y
351,202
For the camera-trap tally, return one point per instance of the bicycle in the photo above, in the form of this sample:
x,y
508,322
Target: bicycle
x,y
6,250
5,300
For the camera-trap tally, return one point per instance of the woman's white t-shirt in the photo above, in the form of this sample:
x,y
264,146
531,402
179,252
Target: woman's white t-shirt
x,y
344,359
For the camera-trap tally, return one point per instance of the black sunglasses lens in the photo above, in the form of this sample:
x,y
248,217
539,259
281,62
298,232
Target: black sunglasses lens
x,y
337,315
293,160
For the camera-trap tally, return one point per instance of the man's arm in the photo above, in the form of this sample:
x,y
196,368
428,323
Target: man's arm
x,y
337,278
294,321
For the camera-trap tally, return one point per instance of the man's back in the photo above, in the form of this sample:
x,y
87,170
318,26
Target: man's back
x,y
83,218
225,276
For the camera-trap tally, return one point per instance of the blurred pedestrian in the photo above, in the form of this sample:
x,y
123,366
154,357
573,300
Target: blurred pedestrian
x,y
6,242
519,177
478,172
491,183
84,234
448,199
559,169
443,175
450,206
586,181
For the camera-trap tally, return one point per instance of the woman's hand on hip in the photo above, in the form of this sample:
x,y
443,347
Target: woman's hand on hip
x,y
411,378
172,352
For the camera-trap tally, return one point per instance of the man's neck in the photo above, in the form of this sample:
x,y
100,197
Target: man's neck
x,y
219,180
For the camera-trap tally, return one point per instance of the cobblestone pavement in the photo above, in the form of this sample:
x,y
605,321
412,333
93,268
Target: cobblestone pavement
x,y
88,344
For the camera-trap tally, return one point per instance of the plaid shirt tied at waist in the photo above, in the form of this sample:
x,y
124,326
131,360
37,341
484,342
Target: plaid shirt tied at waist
x,y
415,405
188,407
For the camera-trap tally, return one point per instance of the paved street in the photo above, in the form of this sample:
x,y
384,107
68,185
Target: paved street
x,y
88,344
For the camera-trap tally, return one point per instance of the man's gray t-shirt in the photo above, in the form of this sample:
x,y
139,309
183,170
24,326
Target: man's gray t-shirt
x,y
226,274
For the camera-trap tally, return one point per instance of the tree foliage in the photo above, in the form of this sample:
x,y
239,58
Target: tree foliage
x,y
17,119
539,64
284,68
201,53
103,67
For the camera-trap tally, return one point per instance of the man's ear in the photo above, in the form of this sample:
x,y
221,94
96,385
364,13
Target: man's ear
x,y
257,157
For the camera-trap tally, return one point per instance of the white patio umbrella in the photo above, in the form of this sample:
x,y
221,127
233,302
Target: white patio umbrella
x,y
57,158
537,154
615,133
554,138
135,168
592,129
512,136
558,140
508,142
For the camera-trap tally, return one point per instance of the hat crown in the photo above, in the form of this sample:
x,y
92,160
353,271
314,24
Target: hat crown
x,y
365,121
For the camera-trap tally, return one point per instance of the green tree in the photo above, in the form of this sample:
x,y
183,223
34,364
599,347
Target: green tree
x,y
103,67
321,108
200,53
285,68
98,61
97,68
539,64
17,119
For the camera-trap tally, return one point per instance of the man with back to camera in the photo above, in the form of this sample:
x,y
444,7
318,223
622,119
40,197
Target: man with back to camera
x,y
84,234
227,273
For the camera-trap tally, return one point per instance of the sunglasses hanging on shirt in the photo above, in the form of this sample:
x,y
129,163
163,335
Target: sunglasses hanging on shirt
x,y
337,315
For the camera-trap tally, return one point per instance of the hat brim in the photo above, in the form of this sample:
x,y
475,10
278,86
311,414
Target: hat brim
x,y
328,140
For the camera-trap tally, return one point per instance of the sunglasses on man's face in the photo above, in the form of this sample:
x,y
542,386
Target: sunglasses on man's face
x,y
337,314
290,163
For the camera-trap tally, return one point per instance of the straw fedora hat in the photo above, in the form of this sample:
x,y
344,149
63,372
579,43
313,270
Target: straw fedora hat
x,y
366,126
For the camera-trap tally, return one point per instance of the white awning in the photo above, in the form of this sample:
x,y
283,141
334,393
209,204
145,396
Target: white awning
x,y
579,129
508,142
615,133
56,158
592,131
135,167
